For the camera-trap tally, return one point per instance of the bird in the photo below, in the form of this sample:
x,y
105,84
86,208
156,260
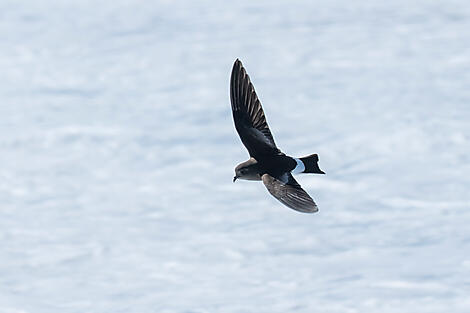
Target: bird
x,y
267,162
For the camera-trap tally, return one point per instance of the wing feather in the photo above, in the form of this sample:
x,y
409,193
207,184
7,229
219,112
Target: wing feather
x,y
289,193
248,115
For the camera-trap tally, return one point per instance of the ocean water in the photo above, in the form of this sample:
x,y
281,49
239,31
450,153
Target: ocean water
x,y
117,150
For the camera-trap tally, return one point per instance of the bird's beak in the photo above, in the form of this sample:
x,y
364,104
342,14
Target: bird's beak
x,y
235,178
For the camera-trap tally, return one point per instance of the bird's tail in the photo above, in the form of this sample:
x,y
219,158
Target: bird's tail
x,y
311,164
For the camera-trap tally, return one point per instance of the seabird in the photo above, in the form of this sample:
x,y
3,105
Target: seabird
x,y
267,162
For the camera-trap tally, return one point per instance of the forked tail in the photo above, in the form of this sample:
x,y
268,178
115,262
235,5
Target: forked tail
x,y
311,164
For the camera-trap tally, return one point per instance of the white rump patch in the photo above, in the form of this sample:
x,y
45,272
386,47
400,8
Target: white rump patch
x,y
299,168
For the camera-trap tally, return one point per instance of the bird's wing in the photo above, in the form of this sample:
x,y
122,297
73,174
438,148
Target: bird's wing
x,y
248,115
289,192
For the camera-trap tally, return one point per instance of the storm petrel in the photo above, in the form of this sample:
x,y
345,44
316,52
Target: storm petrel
x,y
267,162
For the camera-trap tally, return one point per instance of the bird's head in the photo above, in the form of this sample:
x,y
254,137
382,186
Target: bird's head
x,y
247,170
240,172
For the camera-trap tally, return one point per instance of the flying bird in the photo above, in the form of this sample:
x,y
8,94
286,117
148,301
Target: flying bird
x,y
267,162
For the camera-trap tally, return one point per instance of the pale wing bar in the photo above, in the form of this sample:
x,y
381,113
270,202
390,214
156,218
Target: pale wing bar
x,y
290,193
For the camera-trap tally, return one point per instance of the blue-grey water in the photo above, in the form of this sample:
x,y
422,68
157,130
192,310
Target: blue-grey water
x,y
117,150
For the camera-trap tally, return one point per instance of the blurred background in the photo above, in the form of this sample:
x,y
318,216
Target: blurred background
x,y
117,150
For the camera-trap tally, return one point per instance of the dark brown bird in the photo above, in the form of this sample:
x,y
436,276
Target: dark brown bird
x,y
267,162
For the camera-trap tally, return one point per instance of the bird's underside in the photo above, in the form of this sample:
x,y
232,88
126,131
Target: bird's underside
x,y
274,167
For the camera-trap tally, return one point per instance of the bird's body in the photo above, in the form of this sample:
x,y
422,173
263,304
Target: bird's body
x,y
273,165
267,162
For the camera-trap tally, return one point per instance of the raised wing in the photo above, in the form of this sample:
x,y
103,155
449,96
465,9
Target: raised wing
x,y
288,191
248,115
